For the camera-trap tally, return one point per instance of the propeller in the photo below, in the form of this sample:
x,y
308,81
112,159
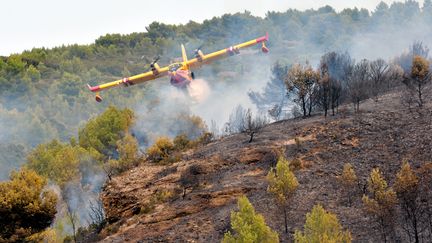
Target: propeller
x,y
154,61
198,49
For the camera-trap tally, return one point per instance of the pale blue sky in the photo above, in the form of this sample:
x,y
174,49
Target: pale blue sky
x,y
27,23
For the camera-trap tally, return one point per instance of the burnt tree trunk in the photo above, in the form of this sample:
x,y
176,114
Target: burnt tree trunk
x,y
304,106
286,220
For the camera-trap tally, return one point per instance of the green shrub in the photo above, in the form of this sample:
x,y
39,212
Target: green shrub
x,y
181,142
322,226
248,226
161,150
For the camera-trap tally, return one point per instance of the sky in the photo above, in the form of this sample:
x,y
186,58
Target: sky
x,y
48,23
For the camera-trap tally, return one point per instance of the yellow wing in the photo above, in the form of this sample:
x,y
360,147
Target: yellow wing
x,y
200,58
155,73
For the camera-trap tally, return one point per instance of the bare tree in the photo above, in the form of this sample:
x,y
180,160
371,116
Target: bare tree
x,y
253,124
416,49
243,121
73,218
378,73
324,85
358,84
394,76
336,93
97,214
339,68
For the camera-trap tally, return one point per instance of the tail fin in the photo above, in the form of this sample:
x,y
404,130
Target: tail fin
x,y
184,56
93,88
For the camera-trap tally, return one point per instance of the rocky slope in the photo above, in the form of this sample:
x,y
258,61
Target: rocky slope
x,y
146,204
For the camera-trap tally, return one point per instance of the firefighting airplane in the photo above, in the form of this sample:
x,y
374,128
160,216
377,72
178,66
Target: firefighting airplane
x,y
180,72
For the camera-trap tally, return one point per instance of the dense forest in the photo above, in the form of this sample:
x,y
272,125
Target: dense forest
x,y
48,117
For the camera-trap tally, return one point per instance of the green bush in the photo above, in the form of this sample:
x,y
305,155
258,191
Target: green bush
x,y
127,149
161,150
181,142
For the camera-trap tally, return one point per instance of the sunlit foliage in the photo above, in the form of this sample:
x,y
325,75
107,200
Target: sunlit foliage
x,y
248,226
102,132
349,181
26,207
282,184
57,161
322,227
381,202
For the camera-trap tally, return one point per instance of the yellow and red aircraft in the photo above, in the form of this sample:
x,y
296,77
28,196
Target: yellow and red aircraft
x,y
180,72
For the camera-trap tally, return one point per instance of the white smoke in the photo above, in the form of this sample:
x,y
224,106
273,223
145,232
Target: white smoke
x,y
198,90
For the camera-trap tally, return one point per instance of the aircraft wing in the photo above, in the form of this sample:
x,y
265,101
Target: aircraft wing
x,y
232,50
140,78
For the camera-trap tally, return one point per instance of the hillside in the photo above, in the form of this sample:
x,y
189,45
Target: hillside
x,y
381,135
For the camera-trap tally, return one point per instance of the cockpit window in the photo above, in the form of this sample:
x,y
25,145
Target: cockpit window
x,y
174,67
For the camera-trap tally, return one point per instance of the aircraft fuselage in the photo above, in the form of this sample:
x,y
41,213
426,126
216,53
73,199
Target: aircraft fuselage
x,y
180,78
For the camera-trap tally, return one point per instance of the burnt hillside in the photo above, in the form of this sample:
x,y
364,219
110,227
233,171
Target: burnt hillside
x,y
146,204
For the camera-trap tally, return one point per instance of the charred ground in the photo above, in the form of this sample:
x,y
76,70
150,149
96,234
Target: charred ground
x,y
146,204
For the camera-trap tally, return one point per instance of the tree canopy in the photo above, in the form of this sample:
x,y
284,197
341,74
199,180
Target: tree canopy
x,y
248,226
102,132
26,206
322,226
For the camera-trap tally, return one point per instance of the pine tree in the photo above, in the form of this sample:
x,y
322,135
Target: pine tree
x,y
249,226
381,204
349,181
418,79
282,184
407,189
322,227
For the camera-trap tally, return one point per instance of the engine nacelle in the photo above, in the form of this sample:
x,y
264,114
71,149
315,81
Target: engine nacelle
x,y
199,55
233,50
155,69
